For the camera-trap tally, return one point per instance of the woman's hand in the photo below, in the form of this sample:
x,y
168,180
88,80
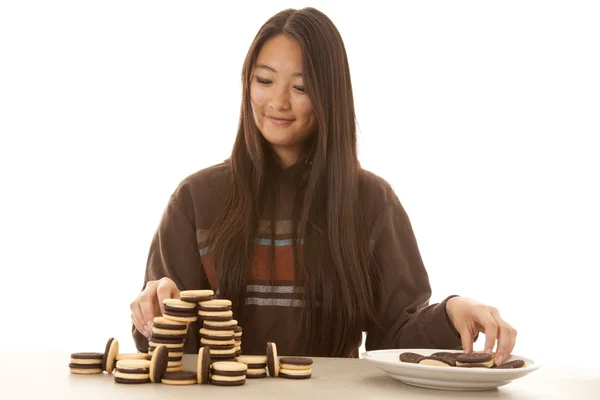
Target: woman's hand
x,y
149,303
470,317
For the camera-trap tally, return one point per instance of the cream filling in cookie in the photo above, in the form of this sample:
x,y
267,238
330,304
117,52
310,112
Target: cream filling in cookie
x,y
434,363
174,363
256,371
224,378
231,322
222,352
124,375
86,361
295,372
86,371
295,367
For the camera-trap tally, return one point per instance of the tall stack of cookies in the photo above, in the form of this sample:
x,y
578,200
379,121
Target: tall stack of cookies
x,y
218,329
171,329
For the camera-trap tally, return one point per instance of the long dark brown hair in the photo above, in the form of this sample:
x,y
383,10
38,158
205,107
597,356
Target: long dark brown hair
x,y
334,264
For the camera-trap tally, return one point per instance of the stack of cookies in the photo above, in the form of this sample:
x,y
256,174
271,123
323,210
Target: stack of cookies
x,y
219,332
295,367
86,363
171,334
133,371
228,373
257,366
287,367
218,336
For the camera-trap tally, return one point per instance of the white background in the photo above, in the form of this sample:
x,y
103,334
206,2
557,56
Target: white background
x,y
483,115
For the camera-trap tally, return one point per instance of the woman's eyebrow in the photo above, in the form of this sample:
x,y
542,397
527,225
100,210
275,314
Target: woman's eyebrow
x,y
265,66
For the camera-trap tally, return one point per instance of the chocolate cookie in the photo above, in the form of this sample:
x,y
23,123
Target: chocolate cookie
x,y
510,364
180,378
410,357
159,363
272,359
483,360
475,357
203,367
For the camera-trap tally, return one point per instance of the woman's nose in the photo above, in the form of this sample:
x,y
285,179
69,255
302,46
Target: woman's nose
x,y
280,98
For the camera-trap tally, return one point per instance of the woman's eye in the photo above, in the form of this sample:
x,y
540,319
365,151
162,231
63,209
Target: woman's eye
x,y
299,88
263,81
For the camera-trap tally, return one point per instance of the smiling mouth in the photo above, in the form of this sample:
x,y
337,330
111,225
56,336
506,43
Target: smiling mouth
x,y
279,121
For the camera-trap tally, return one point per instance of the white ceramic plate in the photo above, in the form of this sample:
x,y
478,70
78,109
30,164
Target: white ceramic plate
x,y
445,378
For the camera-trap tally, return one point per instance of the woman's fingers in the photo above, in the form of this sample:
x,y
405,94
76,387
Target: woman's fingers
x,y
149,303
507,336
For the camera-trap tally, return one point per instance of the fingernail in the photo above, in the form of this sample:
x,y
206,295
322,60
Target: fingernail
x,y
499,358
149,327
488,350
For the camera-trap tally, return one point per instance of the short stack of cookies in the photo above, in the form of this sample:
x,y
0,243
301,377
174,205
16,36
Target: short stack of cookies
x,y
287,367
228,373
133,371
257,366
88,363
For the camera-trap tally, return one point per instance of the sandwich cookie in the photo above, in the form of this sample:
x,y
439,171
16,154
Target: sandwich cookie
x,y
272,359
226,315
132,371
511,364
86,363
203,367
214,305
163,328
257,366
180,311
228,373
409,357
179,378
295,367
110,354
196,296
475,359
228,325
159,363
435,361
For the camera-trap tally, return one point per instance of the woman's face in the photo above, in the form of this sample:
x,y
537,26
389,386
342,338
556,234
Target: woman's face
x,y
282,110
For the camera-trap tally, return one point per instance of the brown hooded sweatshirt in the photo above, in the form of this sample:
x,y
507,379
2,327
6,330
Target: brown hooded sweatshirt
x,y
179,251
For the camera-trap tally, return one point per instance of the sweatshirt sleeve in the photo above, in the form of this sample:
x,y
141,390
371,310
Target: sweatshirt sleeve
x,y
174,254
405,319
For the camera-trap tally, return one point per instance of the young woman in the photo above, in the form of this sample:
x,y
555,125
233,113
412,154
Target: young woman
x,y
311,249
